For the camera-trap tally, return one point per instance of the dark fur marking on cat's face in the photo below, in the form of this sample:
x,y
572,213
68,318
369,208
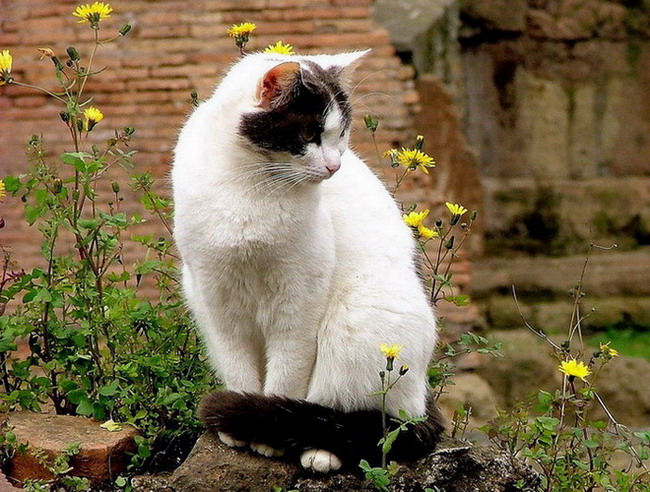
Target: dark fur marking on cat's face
x,y
299,120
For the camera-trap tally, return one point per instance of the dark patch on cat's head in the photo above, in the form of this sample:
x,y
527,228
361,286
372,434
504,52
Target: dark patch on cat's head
x,y
296,114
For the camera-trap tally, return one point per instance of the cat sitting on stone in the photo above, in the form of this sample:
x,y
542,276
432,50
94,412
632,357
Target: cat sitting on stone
x,y
297,266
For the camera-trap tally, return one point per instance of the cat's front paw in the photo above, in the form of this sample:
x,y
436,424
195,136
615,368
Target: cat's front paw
x,y
267,451
230,441
320,460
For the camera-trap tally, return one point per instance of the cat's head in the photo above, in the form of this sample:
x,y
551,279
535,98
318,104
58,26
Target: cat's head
x,y
300,121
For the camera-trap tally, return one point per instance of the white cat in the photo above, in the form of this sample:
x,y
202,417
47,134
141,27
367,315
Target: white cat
x,y
297,266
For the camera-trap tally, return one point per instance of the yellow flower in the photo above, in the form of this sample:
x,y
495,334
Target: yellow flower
x,y
390,351
427,233
280,48
92,116
574,368
414,158
93,13
607,350
6,62
456,208
415,219
242,30
3,193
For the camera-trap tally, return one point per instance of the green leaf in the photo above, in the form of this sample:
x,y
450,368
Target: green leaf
x,y
390,439
43,295
109,389
461,300
85,407
88,223
33,212
76,396
12,184
111,426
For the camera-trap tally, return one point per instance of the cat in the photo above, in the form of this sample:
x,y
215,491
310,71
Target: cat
x,y
297,266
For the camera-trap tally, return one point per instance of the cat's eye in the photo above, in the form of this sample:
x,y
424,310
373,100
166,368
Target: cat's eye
x,y
308,134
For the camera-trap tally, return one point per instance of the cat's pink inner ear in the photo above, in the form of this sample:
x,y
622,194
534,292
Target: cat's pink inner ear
x,y
277,82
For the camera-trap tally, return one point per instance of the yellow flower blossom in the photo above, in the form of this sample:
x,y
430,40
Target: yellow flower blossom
x,y
242,30
413,159
280,48
92,116
574,368
415,219
3,193
456,208
390,351
427,233
93,13
6,62
607,350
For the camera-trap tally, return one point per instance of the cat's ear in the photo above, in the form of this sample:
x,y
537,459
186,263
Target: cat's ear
x,y
278,85
343,61
342,65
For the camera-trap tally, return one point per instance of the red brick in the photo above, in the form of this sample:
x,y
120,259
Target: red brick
x,y
163,31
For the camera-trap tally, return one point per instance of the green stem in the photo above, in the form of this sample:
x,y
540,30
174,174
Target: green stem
x,y
35,87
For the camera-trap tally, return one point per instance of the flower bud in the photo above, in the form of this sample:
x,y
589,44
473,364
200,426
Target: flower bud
x,y
450,243
57,186
438,222
454,219
2,223
403,370
371,122
73,53
419,142
115,186
65,117
125,29
57,63
473,215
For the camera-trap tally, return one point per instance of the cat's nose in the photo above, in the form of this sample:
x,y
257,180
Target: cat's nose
x,y
333,165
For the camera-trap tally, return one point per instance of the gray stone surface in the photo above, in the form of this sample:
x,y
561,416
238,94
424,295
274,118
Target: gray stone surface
x,y
454,466
526,367
608,274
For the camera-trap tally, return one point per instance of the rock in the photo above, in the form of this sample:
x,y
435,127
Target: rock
x,y
608,274
470,390
211,462
622,386
500,15
103,454
152,483
453,466
5,486
526,366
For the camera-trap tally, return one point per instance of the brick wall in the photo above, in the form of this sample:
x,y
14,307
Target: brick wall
x,y
173,48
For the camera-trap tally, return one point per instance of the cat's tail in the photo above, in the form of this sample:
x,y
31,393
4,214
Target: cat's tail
x,y
295,426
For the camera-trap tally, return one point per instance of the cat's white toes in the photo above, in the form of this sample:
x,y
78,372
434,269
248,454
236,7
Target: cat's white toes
x,y
320,460
265,450
228,440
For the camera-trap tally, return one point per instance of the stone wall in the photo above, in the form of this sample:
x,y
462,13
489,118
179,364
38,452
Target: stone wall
x,y
553,98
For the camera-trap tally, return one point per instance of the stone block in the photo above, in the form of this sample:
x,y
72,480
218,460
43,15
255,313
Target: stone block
x,y
526,366
454,466
501,15
102,457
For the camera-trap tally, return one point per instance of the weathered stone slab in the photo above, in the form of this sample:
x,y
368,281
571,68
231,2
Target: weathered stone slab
x,y
453,466
102,457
